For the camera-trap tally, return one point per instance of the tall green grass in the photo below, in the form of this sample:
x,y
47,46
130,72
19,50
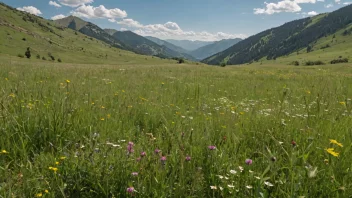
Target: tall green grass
x,y
65,129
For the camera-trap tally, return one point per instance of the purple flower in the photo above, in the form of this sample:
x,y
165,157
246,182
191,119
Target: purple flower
x,y
143,154
134,174
157,151
130,190
163,160
130,148
138,159
212,147
249,161
188,158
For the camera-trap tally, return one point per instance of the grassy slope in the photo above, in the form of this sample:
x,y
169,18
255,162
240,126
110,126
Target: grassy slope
x,y
339,46
67,46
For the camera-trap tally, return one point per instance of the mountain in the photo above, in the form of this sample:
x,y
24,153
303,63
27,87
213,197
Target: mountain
x,y
48,41
110,31
211,49
286,39
182,52
142,45
90,29
189,45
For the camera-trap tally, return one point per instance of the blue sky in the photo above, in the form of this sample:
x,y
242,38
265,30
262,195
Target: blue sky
x,y
183,19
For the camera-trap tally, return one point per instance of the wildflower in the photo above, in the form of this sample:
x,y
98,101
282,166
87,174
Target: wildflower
x,y
212,147
326,161
258,178
162,83
221,188
68,81
134,174
4,152
138,159
249,187
308,92
143,154
12,95
293,143
130,190
335,142
233,172
241,113
273,159
230,186
249,161
46,191
188,158
268,184
332,152
221,177
241,168
39,195
62,158
57,163
213,187
157,151
163,160
130,147
53,169
343,103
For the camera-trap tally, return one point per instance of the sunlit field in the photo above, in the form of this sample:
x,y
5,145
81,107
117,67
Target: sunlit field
x,y
74,130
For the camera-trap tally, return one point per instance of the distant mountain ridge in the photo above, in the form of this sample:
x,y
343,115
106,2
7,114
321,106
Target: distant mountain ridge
x,y
188,44
284,40
211,49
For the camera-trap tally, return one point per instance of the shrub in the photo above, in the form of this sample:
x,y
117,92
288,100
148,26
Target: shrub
x,y
181,60
28,53
340,60
310,63
20,55
223,64
325,46
43,58
38,56
51,56
24,39
59,60
295,63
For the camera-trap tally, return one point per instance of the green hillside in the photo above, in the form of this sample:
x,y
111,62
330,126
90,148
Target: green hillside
x,y
20,30
298,35
211,49
167,44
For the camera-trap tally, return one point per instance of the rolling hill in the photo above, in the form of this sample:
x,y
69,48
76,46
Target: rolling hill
x,y
49,41
289,38
211,49
188,44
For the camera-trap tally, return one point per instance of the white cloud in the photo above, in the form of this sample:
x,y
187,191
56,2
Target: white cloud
x,y
53,3
312,13
30,9
338,1
329,5
60,16
347,3
321,0
88,11
174,31
282,6
75,3
124,29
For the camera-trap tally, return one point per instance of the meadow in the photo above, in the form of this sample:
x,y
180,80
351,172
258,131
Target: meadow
x,y
170,130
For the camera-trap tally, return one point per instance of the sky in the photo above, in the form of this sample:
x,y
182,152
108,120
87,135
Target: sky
x,y
207,20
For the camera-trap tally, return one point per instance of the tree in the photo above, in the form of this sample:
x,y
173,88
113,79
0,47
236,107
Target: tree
x,y
309,48
28,53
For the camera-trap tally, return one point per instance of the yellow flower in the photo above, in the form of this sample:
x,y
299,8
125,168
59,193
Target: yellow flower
x,y
68,81
46,191
57,163
332,152
62,158
308,92
6,79
343,103
108,116
335,142
39,195
241,113
129,106
12,95
162,83
102,119
102,107
53,169
4,152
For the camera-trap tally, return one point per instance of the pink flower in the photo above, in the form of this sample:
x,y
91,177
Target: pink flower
x,y
130,190
188,158
163,160
143,154
130,148
138,159
212,147
249,161
134,174
157,151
